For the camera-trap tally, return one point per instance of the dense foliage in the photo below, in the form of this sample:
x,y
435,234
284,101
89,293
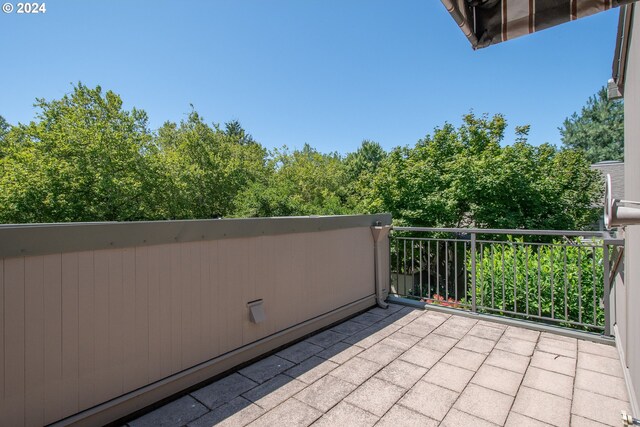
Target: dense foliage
x,y
560,280
86,158
464,176
598,129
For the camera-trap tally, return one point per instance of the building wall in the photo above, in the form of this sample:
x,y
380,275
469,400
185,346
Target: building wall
x,y
630,298
616,170
81,327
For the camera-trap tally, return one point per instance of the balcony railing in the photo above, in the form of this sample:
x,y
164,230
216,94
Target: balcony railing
x,y
560,278
100,320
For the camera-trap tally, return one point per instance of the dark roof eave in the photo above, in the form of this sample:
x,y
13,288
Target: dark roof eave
x,y
487,22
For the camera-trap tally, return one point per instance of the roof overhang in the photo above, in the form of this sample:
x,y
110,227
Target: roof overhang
x,y
487,22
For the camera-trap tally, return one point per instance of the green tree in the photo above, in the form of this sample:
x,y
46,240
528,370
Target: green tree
x,y
204,168
300,182
598,129
82,160
4,130
85,158
361,168
464,177
236,132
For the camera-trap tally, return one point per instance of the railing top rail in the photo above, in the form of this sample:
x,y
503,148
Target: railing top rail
x,y
600,234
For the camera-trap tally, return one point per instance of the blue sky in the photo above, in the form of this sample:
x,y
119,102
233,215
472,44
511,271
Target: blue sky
x,y
325,72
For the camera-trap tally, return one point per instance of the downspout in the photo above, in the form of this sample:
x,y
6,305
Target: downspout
x,y
380,235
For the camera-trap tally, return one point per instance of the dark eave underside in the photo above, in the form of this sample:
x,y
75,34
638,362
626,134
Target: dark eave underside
x,y
487,22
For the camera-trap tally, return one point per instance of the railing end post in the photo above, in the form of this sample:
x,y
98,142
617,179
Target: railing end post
x,y
606,295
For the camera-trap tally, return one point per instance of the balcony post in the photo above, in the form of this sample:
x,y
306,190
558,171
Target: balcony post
x,y
606,297
473,273
381,264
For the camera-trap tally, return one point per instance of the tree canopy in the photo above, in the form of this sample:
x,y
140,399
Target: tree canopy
x,y
82,160
464,177
86,158
598,129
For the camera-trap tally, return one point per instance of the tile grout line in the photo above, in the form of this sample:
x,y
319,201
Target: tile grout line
x,y
384,366
398,358
524,374
323,376
573,391
375,373
259,384
576,359
357,386
383,323
471,379
573,384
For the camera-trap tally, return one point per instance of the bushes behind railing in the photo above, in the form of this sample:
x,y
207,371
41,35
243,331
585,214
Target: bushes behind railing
x,y
557,280
561,281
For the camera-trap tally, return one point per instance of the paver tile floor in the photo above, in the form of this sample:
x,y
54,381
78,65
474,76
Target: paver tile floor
x,y
408,367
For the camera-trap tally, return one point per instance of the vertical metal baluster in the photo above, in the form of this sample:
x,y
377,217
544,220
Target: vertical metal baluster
x,y
484,253
539,290
421,295
493,276
551,279
397,245
413,268
504,292
455,253
481,275
473,273
446,270
400,266
466,271
579,285
404,267
429,267
514,248
595,315
397,254
438,267
606,265
566,283
397,265
526,276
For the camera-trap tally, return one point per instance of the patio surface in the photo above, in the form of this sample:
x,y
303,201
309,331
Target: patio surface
x,y
408,367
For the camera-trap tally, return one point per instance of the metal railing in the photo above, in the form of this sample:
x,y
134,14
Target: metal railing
x,y
560,278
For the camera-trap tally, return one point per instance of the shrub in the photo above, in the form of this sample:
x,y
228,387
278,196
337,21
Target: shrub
x,y
559,280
